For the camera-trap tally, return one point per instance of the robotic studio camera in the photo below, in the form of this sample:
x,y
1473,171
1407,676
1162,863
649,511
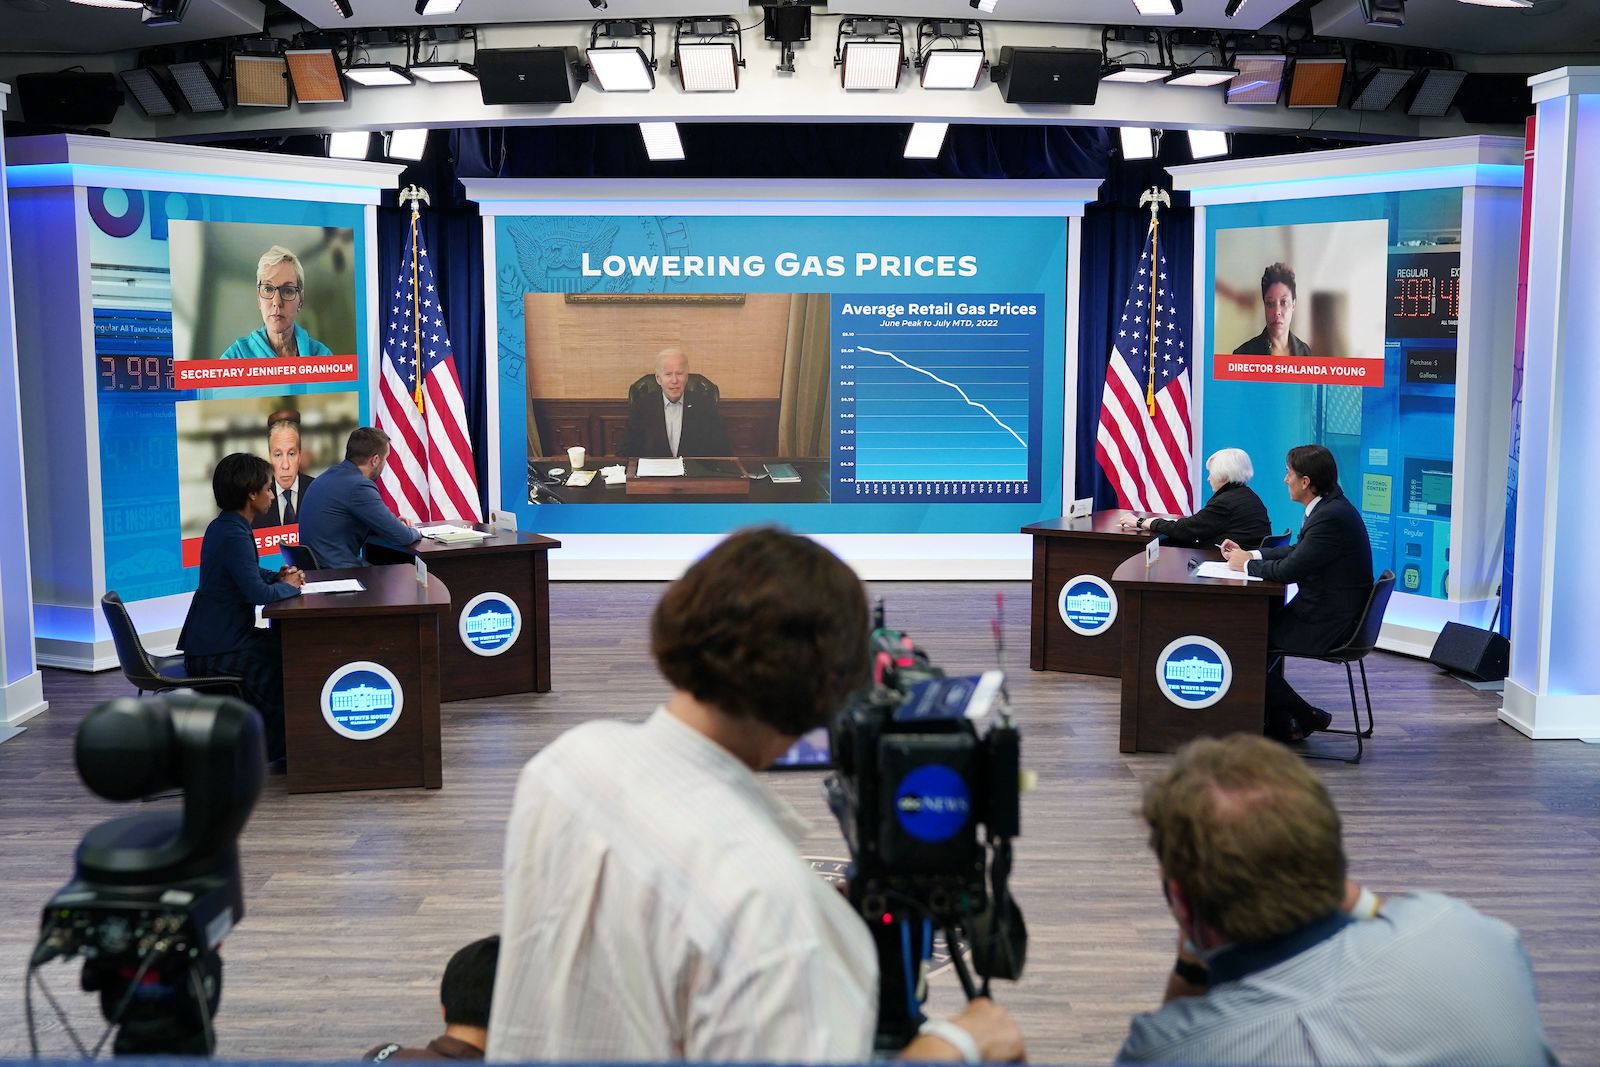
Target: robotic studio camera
x,y
152,895
915,781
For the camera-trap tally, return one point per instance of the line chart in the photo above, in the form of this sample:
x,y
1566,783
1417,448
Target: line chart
x,y
937,399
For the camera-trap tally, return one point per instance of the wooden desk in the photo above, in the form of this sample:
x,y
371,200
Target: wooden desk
x,y
394,623
1065,550
812,488
1167,611
516,566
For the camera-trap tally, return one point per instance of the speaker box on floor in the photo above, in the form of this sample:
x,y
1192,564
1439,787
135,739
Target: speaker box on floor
x,y
69,98
1048,75
1480,654
528,75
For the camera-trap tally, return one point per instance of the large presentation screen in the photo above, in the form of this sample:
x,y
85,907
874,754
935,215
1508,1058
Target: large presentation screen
x,y
222,324
834,374
1334,321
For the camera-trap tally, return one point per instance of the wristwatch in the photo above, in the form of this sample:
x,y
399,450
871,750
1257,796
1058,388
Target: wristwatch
x,y
1138,523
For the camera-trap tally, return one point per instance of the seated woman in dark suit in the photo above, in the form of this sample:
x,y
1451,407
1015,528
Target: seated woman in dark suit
x,y
220,635
1234,512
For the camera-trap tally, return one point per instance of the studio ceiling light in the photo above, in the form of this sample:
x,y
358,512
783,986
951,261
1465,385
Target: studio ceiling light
x,y
1138,142
1435,92
1232,9
1158,7
622,68
943,56
1316,81
1207,144
1200,75
1132,54
375,74
344,9
1387,13
661,140
260,81
199,87
149,92
1259,81
349,144
870,53
708,53
437,7
314,72
926,140
1498,3
1203,45
986,6
406,144
443,72
1379,87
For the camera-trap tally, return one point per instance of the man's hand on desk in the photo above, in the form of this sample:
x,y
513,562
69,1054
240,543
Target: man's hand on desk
x,y
292,576
405,521
1237,557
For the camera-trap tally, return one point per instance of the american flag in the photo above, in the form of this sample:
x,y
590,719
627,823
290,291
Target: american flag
x,y
429,474
1145,452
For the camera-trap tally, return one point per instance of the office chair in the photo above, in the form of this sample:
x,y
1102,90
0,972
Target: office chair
x,y
301,557
1354,650
1275,540
155,674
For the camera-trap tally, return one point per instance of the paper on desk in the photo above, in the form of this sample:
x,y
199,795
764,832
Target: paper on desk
x,y
339,585
615,474
660,468
1219,569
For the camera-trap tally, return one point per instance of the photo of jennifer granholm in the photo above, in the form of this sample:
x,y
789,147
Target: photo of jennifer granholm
x,y
257,291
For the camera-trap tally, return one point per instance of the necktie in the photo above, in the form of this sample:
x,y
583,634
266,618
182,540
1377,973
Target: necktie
x,y
288,507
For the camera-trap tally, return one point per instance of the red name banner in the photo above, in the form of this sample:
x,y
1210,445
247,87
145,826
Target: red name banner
x,y
223,373
1305,370
269,542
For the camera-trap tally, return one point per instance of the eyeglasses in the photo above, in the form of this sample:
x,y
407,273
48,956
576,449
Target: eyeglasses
x,y
288,292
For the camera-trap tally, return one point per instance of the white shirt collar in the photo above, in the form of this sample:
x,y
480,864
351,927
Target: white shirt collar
x,y
1314,502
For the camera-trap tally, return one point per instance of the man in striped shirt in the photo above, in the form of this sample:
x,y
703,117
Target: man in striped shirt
x,y
1284,962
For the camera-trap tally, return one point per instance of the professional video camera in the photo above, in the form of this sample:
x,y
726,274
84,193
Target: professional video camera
x,y
915,779
153,894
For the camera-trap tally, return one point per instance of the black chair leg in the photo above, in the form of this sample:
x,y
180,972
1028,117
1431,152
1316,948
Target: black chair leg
x,y
1368,696
1355,714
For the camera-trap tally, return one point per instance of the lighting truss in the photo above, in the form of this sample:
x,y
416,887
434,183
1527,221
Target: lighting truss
x,y
1139,55
661,140
314,72
150,92
873,56
926,140
952,66
708,53
260,80
622,68
1195,74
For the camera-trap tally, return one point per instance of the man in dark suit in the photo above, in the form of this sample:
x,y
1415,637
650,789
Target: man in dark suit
x,y
1332,564
344,510
288,484
1277,303
678,417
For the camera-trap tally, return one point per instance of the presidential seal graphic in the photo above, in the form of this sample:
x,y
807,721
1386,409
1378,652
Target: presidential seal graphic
x,y
1087,605
362,700
1194,672
489,624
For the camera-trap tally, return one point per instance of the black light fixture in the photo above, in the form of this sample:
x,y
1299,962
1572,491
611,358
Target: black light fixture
x,y
1435,91
1387,13
1260,60
786,23
1195,73
433,69
1232,9
1379,85
622,68
708,53
430,8
985,6
869,52
944,55
200,88
1132,54
163,12
150,92
344,9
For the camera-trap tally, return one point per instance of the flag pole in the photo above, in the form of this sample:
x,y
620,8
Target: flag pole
x,y
1156,197
415,195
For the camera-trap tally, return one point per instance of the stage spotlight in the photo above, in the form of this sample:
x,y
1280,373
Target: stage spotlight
x,y
1232,9
926,140
344,9
405,144
375,74
708,53
661,140
874,56
598,5
1132,54
1158,7
163,12
1259,81
1316,81
200,88
443,72
1435,92
349,144
1138,142
148,91
622,68
1387,13
1202,45
1201,75
437,7
1379,87
315,75
1207,144
954,66
260,81
986,6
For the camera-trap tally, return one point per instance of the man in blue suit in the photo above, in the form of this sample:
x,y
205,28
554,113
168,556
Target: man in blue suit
x,y
1332,564
341,509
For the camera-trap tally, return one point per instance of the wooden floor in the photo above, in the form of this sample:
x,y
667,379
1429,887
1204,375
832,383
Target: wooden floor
x,y
355,901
